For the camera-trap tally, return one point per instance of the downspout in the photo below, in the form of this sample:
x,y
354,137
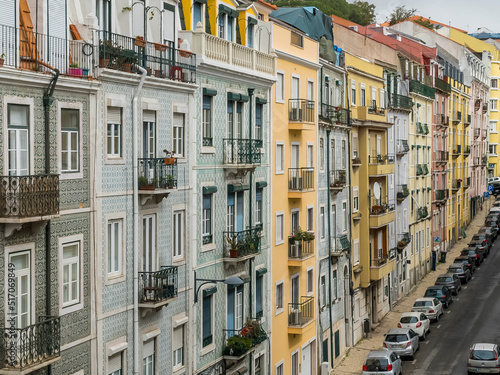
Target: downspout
x,y
48,99
250,124
329,245
135,176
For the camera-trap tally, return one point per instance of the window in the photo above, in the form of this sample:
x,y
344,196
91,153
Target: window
x,y
353,93
494,83
322,154
355,199
355,145
149,243
310,281
259,285
260,361
258,206
197,12
230,28
362,100
322,290
493,149
115,247
280,228
250,32
178,234
148,355
280,87
322,221
70,138
297,39
115,364
280,369
374,97
18,144
295,363
343,156
280,297
114,132
494,103
310,219
222,25
234,309
207,320
178,134
258,121
206,220
355,251
70,274
207,120
344,214
178,347
334,283
103,14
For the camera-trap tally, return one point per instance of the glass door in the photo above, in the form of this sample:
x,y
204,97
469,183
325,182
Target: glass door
x,y
22,289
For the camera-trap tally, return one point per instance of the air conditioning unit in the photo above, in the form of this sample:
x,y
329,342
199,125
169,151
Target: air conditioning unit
x,y
295,183
295,114
294,317
295,250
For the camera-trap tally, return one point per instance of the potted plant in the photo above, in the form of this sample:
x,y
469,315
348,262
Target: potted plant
x,y
170,181
2,58
139,41
126,59
160,47
160,73
144,184
233,246
74,70
401,244
169,157
237,345
109,52
184,53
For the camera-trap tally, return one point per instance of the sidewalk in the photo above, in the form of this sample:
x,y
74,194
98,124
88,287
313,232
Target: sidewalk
x,y
355,357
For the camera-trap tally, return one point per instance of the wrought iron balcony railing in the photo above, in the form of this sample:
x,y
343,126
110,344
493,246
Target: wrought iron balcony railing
x,y
420,170
242,151
457,150
443,86
374,110
467,183
159,285
455,184
341,243
420,128
402,147
422,212
467,150
22,348
426,129
338,179
379,262
467,119
442,156
402,192
299,249
237,342
242,243
397,101
484,133
157,173
425,169
441,194
301,110
299,314
334,114
300,179
381,159
31,196
417,87
161,60
404,240
381,206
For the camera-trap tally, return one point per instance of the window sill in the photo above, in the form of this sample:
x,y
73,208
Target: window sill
x,y
70,309
207,150
208,247
70,176
207,349
179,369
113,160
281,101
279,311
115,279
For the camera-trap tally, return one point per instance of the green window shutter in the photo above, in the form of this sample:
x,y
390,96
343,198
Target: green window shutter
x,y
181,16
260,101
231,96
208,29
209,189
238,33
209,92
251,21
244,98
261,184
260,272
200,1
209,291
237,187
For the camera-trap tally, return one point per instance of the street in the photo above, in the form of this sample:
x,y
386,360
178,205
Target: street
x,y
471,318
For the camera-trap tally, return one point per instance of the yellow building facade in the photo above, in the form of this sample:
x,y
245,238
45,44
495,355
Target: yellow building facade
x,y
294,184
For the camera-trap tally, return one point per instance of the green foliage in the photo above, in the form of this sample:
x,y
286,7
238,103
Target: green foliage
x,y
360,12
425,23
237,345
400,14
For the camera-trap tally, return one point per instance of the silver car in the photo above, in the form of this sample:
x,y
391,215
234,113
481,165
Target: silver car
x,y
431,307
402,341
484,358
382,362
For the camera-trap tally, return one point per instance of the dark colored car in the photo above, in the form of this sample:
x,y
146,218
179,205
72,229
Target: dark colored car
x,y
489,232
486,238
466,261
480,246
496,188
473,253
441,292
493,216
462,272
451,281
493,226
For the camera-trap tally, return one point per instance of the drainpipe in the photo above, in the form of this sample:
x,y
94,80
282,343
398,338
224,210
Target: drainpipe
x,y
48,99
135,176
250,124
329,245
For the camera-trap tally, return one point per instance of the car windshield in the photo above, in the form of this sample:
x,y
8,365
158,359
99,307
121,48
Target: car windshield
x,y
396,338
485,355
422,303
376,364
468,252
444,280
454,270
433,293
478,237
408,319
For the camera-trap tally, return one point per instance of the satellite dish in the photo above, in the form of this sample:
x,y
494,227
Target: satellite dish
x,y
376,190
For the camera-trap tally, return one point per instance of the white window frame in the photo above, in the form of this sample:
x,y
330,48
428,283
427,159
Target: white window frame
x,y
77,303
211,245
114,347
280,169
154,355
345,217
176,138
119,275
209,347
322,290
353,96
310,217
310,282
115,156
321,153
277,239
178,242
69,175
279,284
295,354
322,223
355,252
177,366
280,368
280,98
355,199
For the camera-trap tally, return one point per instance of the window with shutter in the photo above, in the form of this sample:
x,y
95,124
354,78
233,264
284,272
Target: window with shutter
x,y
178,346
115,363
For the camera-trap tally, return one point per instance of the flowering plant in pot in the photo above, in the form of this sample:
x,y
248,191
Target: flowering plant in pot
x,y
233,246
169,157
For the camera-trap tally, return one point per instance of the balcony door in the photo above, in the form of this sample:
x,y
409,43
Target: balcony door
x,y
234,310
18,140
295,90
294,220
149,243
149,142
235,215
295,290
21,263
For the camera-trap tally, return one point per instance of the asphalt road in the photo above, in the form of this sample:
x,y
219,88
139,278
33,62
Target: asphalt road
x,y
472,317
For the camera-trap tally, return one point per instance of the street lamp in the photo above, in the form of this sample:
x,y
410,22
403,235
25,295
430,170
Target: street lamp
x,y
231,281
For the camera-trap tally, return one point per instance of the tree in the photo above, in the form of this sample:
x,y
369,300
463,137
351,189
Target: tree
x,y
400,14
425,23
362,13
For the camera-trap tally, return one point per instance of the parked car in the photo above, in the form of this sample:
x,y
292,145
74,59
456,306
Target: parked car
x,y
496,187
466,261
402,341
441,292
483,358
474,253
493,217
496,204
484,230
493,179
480,246
382,362
485,238
461,272
431,307
417,321
493,227
451,281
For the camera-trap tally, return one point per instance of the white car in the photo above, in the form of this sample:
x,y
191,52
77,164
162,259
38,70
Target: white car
x,y
431,307
416,321
493,179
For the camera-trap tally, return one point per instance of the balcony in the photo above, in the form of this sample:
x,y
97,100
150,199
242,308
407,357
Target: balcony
x,y
230,54
477,133
425,170
380,165
443,86
340,245
467,120
402,193
300,315
370,113
442,157
404,240
425,129
334,114
356,161
420,128
455,185
157,288
466,151
29,50
164,61
300,247
25,199
422,213
401,102
241,154
467,183
380,267
440,195
301,114
484,161
28,349
484,133
241,245
381,213
239,343
420,170
457,150
402,147
419,88
157,177
338,180
300,180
